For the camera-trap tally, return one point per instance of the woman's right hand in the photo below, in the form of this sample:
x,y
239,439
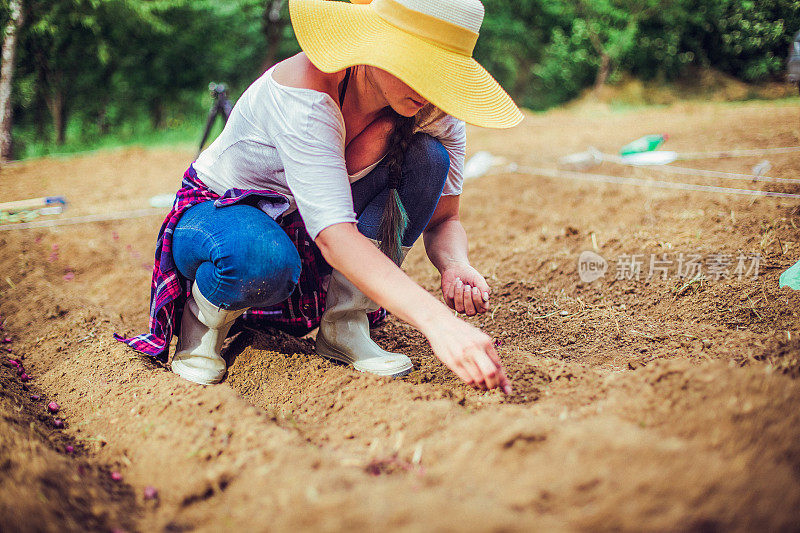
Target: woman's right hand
x,y
466,350
469,353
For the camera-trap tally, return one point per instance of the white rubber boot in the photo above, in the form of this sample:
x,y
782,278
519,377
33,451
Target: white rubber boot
x,y
203,330
344,331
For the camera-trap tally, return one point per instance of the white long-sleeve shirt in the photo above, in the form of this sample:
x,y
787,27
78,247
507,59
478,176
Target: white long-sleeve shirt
x,y
292,140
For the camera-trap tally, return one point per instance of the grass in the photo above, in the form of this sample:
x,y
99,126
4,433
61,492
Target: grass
x,y
185,133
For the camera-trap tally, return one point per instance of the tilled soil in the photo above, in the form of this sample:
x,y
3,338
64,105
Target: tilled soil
x,y
639,404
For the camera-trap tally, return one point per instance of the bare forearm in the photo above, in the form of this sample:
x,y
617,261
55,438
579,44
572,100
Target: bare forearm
x,y
463,348
349,252
446,244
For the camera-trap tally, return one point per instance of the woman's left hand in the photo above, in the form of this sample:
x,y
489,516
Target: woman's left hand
x,y
464,289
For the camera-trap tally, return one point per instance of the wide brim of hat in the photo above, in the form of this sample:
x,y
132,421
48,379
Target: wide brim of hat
x,y
337,35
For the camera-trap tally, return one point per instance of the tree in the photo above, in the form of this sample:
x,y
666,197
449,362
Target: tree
x,y
7,76
274,26
612,26
513,39
73,48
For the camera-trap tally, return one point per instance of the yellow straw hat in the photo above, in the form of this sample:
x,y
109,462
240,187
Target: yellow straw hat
x,y
428,44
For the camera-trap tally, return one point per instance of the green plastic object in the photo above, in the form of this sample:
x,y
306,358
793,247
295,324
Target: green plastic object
x,y
648,143
791,277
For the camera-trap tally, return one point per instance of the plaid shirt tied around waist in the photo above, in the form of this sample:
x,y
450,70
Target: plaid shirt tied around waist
x,y
298,314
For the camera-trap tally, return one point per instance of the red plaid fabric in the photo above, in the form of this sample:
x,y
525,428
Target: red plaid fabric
x,y
298,315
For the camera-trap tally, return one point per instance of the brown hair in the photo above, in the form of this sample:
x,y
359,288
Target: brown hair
x,y
394,219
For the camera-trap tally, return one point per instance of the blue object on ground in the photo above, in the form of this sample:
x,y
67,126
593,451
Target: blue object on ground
x,y
791,277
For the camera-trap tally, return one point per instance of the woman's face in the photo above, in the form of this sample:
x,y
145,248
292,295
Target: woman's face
x,y
402,98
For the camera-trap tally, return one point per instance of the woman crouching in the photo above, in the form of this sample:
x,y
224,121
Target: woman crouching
x,y
332,164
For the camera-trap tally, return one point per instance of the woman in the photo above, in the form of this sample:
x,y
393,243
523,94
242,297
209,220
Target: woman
x,y
351,148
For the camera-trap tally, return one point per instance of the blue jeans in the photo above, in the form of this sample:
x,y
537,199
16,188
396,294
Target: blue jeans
x,y
241,258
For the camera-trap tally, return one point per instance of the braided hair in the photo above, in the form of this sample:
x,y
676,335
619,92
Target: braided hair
x,y
394,219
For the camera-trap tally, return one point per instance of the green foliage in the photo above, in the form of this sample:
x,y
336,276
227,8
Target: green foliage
x,y
89,70
547,51
568,64
748,40
752,37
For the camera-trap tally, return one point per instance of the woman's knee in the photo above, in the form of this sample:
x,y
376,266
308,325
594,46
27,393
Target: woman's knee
x,y
256,263
266,269
428,157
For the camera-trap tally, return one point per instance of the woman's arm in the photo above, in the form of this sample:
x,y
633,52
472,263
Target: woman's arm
x,y
463,287
466,350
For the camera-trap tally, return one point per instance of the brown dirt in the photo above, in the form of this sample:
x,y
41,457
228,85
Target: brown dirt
x,y
639,405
